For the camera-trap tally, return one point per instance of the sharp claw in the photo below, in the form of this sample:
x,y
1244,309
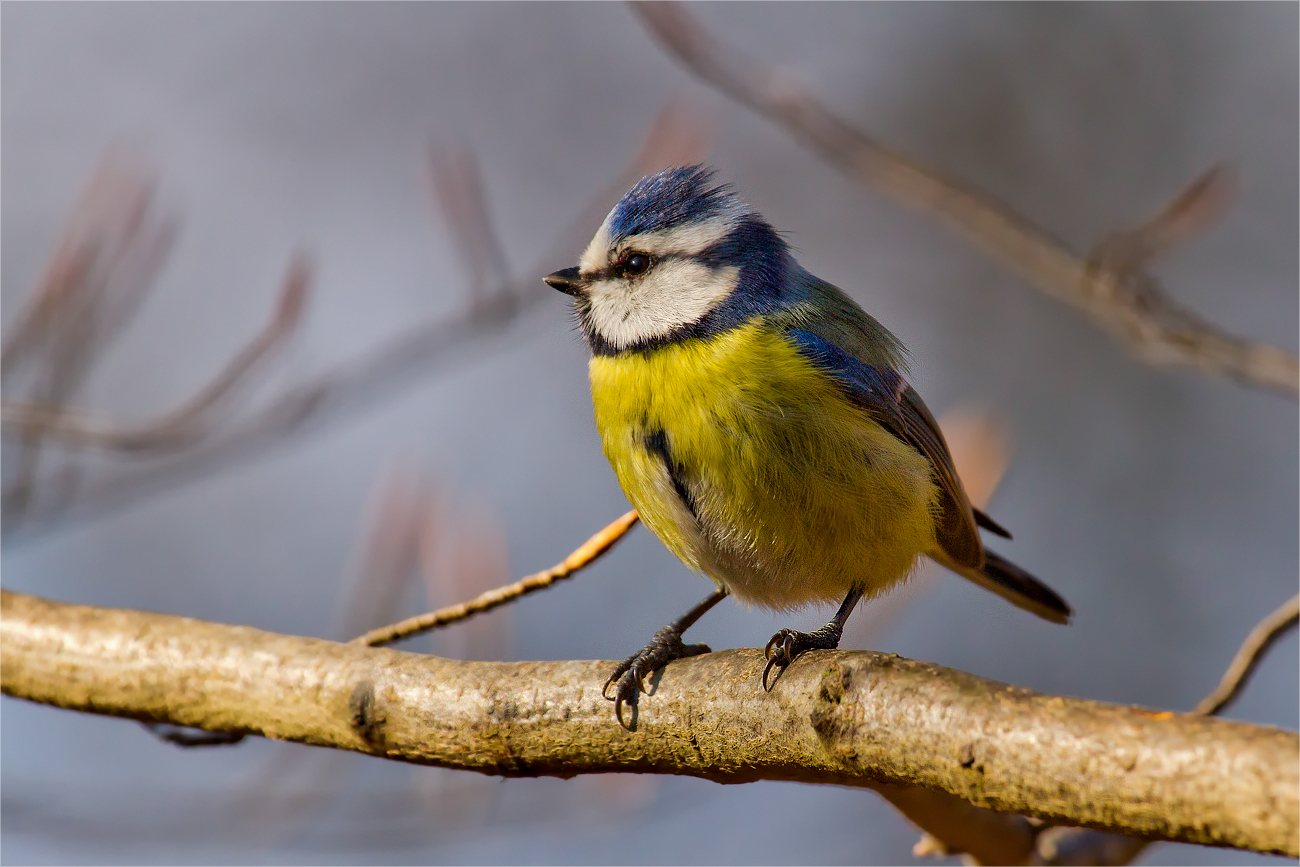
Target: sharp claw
x,y
629,679
779,662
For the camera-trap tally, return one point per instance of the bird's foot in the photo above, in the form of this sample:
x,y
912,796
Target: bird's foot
x,y
628,679
788,644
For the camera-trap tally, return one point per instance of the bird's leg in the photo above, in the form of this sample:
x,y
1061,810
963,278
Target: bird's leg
x,y
788,644
666,646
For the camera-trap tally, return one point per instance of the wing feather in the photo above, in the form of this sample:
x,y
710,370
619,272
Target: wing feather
x,y
888,399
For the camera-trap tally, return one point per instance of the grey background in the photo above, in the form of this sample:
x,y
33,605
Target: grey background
x,y
1161,503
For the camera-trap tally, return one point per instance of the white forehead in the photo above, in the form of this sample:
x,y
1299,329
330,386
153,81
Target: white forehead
x,y
688,239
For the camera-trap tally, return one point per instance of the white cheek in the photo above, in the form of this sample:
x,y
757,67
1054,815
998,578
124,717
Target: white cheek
x,y
676,293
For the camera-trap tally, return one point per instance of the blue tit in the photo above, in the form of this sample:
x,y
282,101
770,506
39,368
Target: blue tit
x,y
759,422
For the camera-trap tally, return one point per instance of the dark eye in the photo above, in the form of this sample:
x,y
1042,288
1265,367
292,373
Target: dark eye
x,y
633,264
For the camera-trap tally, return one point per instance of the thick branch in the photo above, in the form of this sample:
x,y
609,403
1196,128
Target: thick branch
x,y
1117,295
849,718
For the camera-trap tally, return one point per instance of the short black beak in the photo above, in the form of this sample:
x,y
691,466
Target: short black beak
x,y
567,281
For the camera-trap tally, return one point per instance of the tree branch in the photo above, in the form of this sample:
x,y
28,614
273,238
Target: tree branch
x,y
848,718
996,838
1114,291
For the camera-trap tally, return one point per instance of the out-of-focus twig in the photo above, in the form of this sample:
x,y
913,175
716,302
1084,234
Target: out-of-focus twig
x,y
1188,215
951,825
677,135
1248,657
586,553
1125,301
457,181
401,510
182,426
188,737
103,266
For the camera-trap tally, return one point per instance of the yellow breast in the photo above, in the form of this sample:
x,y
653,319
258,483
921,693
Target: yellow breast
x,y
752,466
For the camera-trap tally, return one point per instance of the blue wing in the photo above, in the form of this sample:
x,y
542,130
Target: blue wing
x,y
885,396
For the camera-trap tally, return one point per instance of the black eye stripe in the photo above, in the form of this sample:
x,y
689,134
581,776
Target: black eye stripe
x,y
655,258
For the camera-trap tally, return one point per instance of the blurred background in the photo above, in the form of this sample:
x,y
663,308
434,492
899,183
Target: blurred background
x,y
322,496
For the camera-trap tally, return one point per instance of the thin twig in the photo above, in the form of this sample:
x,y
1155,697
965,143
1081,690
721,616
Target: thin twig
x,y
1249,655
1128,304
180,427
457,180
586,554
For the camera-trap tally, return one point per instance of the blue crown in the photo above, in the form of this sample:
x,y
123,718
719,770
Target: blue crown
x,y
671,198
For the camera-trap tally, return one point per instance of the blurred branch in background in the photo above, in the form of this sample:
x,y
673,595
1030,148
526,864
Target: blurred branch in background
x,y
854,718
183,426
496,302
1111,285
103,266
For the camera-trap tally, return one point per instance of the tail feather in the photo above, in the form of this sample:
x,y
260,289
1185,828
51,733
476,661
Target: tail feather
x,y
1015,585
983,520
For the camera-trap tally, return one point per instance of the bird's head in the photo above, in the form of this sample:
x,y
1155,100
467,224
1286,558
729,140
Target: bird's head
x,y
678,257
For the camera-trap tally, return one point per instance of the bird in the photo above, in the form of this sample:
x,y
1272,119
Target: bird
x,y
760,422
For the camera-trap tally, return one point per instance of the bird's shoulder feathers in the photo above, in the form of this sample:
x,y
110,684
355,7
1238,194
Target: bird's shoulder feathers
x,y
866,360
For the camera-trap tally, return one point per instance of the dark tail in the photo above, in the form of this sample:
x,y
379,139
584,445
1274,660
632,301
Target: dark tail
x,y
1015,585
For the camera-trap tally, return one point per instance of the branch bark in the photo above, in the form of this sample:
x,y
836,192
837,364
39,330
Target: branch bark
x,y
848,718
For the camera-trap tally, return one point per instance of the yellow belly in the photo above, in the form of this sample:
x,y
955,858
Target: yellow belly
x,y
797,494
